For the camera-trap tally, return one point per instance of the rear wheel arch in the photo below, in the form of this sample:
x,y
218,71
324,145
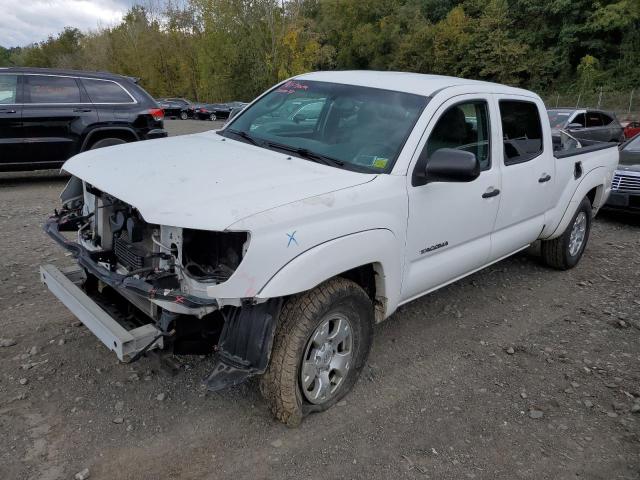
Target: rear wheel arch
x,y
96,135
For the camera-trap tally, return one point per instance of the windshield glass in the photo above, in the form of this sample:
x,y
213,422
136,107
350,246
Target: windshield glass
x,y
558,119
349,126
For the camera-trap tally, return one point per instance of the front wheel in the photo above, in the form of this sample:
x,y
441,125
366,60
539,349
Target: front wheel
x,y
213,117
565,251
321,345
183,115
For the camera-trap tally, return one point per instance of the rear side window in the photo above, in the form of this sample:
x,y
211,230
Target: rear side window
x,y
606,119
593,119
521,131
104,91
46,89
464,127
8,89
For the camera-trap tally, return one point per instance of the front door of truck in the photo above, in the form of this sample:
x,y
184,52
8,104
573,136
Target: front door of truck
x,y
528,170
450,224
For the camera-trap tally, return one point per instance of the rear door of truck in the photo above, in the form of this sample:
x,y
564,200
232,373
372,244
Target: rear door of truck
x,y
528,171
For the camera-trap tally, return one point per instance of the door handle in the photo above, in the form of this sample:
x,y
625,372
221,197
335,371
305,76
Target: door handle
x,y
83,110
7,111
491,193
544,178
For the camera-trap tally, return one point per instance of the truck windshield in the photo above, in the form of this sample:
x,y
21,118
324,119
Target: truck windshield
x,y
558,119
347,126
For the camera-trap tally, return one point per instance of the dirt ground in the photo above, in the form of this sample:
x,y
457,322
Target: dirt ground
x,y
516,372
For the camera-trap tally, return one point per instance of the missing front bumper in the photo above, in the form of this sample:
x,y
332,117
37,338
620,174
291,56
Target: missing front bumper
x,y
124,343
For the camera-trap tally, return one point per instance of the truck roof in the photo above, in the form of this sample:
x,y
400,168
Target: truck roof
x,y
416,83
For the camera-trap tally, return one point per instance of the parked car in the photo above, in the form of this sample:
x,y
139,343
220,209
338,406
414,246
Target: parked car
x,y
586,124
625,188
176,107
48,116
217,111
297,110
631,129
209,111
279,244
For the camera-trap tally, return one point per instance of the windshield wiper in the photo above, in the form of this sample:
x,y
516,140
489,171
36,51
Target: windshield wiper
x,y
243,134
308,154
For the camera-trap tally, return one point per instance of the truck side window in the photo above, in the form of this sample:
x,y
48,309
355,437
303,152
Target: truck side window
x,y
521,131
464,127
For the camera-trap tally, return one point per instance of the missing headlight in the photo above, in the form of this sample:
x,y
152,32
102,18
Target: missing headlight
x,y
212,256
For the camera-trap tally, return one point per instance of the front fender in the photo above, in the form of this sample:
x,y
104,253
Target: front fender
x,y
379,247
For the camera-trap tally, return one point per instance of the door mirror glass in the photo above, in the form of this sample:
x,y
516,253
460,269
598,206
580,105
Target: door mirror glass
x,y
451,165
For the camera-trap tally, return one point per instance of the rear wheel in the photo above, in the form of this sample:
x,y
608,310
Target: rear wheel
x,y
322,343
107,142
183,115
213,117
565,251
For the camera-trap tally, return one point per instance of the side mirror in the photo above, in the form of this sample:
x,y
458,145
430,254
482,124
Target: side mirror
x,y
449,165
574,126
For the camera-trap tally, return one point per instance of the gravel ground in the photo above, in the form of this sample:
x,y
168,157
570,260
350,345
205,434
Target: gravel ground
x,y
182,127
517,371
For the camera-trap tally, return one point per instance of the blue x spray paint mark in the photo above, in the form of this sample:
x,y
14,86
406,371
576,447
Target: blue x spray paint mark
x,y
292,238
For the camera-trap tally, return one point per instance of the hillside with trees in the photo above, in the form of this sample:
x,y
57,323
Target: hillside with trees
x,y
234,49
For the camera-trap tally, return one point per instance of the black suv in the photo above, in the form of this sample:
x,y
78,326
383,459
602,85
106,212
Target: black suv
x,y
47,116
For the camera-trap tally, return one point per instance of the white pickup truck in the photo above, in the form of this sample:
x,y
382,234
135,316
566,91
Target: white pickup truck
x,y
335,197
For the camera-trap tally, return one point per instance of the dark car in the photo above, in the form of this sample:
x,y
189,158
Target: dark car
x,y
176,107
47,116
217,111
625,188
211,111
586,124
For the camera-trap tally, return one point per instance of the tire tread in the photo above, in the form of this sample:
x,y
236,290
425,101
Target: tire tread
x,y
297,316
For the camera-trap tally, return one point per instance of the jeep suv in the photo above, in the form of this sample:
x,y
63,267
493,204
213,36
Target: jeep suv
x,y
48,116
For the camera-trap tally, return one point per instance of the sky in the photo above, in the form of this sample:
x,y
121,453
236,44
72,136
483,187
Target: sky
x,y
26,21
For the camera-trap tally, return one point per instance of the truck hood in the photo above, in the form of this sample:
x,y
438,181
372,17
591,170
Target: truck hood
x,y
205,181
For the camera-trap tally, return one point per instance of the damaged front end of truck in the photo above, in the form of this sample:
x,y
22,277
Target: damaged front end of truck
x,y
139,286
